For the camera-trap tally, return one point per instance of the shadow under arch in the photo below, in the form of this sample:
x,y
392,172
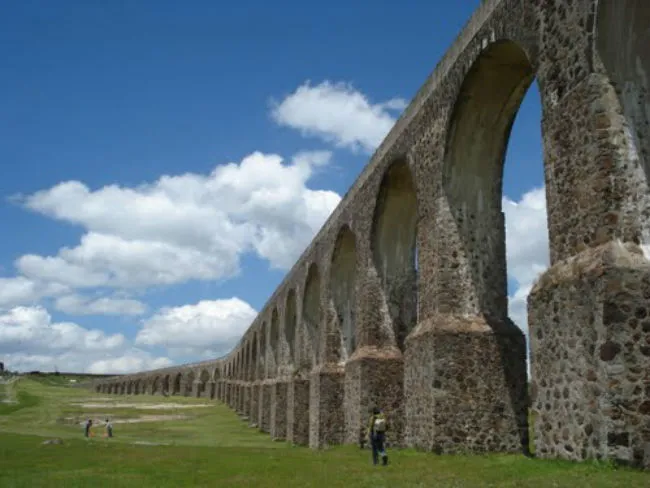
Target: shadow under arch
x,y
393,235
274,338
262,355
311,316
290,323
622,40
177,384
343,284
472,185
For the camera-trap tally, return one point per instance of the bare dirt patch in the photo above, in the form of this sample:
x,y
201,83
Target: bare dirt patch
x,y
99,419
142,406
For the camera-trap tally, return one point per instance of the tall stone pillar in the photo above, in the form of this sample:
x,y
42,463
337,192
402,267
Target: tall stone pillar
x,y
265,406
588,313
196,388
374,377
374,374
298,410
228,387
210,390
254,415
326,419
279,409
247,400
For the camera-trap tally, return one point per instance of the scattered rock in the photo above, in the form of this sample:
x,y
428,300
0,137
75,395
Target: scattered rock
x,y
53,441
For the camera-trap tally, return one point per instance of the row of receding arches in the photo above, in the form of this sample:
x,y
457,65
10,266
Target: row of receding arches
x,y
394,254
186,383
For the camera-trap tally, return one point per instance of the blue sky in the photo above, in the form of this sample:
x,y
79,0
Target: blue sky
x,y
123,93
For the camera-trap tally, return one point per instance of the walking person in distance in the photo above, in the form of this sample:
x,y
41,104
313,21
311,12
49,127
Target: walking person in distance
x,y
377,436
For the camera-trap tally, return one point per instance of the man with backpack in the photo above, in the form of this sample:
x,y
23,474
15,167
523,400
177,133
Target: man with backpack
x,y
377,436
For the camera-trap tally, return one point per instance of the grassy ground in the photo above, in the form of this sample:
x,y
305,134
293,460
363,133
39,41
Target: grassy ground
x,y
215,448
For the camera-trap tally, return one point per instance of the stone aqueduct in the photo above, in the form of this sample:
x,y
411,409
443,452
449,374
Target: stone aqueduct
x,y
357,322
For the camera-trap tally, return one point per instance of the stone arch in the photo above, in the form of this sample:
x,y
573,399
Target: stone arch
x,y
188,383
311,316
290,322
176,387
216,374
622,40
262,356
156,385
254,358
166,387
204,378
274,336
477,140
343,277
239,363
394,246
136,386
129,388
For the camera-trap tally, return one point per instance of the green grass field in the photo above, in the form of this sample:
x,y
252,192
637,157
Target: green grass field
x,y
212,447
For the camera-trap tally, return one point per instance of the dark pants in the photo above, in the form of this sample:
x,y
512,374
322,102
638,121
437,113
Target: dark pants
x,y
377,442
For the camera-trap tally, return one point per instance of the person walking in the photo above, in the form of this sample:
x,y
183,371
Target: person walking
x,y
88,425
109,428
377,425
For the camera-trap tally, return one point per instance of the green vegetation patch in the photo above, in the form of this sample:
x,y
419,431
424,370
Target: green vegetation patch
x,y
214,447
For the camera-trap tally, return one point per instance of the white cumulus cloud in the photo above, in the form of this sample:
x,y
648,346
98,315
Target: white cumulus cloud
x,y
79,305
31,340
209,325
527,248
184,227
338,114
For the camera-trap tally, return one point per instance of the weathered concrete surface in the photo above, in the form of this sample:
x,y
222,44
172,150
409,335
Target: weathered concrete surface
x,y
356,323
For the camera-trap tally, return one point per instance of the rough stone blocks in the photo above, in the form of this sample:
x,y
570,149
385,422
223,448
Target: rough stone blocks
x,y
326,390
253,416
465,385
298,411
374,379
265,407
591,361
279,409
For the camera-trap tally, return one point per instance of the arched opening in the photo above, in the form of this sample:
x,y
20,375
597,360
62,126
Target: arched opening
x,y
275,336
473,173
290,318
343,277
499,241
254,359
311,315
177,384
262,357
249,353
155,386
204,377
189,383
166,385
622,42
136,387
129,388
394,234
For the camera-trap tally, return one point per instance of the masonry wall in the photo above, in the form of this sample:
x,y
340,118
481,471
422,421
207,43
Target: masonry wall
x,y
355,323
